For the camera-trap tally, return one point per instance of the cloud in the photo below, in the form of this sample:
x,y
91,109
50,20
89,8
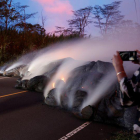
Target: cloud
x,y
56,11
59,6
45,1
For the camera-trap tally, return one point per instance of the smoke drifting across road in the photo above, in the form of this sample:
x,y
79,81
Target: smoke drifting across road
x,y
81,51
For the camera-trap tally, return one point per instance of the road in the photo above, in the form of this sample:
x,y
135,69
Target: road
x,y
24,117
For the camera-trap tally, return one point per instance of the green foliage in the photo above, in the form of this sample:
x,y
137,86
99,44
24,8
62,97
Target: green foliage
x,y
15,42
18,37
124,135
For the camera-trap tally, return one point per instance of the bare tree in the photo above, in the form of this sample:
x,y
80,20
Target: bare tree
x,y
107,16
64,31
81,20
13,14
59,30
24,16
43,20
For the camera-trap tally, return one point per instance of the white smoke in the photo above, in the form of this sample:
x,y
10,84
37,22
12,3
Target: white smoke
x,y
81,51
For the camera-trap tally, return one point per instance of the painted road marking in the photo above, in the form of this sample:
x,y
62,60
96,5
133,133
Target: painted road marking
x,y
75,131
13,94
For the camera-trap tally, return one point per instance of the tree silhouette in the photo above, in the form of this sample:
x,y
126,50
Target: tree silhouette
x,y
81,20
8,13
11,15
107,17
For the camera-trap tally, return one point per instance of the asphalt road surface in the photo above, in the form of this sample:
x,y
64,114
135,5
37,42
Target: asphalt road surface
x,y
24,117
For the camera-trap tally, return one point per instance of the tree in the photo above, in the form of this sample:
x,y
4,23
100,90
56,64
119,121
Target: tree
x,y
13,14
64,31
81,20
24,16
107,17
8,13
43,20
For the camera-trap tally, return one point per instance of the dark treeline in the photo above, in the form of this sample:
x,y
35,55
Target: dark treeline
x,y
18,37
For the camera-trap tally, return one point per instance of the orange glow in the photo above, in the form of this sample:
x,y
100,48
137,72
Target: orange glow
x,y
53,85
63,79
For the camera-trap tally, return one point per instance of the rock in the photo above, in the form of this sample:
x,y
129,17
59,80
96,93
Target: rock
x,y
23,71
50,99
52,67
82,82
87,113
88,76
78,99
14,72
10,73
21,84
129,116
37,83
18,83
85,77
25,84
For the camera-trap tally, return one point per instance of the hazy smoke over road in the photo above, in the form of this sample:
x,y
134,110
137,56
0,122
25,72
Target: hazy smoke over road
x,y
79,52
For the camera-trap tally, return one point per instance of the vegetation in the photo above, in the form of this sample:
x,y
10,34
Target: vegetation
x,y
124,135
107,17
18,37
14,42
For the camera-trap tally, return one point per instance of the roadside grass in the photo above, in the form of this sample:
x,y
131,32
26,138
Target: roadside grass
x,y
123,135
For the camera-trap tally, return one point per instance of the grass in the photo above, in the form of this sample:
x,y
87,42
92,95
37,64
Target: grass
x,y
123,135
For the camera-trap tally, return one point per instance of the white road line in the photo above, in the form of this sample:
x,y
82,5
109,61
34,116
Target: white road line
x,y
75,131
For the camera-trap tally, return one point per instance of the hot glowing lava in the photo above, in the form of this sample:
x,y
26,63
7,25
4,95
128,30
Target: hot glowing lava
x,y
53,85
63,79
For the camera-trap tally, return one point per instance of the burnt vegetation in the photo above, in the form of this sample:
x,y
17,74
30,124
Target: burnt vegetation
x,y
18,37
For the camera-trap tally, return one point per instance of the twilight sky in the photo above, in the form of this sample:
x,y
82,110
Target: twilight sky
x,y
57,12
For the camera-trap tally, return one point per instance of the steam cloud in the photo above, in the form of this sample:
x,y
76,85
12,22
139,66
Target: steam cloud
x,y
82,51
